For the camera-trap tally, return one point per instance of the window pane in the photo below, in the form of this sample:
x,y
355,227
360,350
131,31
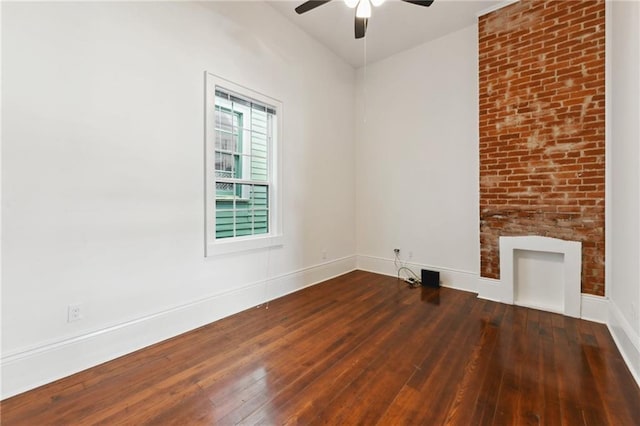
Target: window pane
x,y
243,191
261,221
224,223
224,119
244,219
224,164
259,169
224,190
259,144
226,141
260,197
259,119
225,202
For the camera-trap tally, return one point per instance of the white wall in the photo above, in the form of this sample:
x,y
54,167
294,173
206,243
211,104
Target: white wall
x,y
417,159
624,290
102,163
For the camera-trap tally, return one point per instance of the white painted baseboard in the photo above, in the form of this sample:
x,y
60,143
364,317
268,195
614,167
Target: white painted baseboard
x,y
35,367
626,339
594,308
489,289
460,280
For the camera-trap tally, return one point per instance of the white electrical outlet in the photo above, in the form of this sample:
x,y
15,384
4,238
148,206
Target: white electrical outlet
x,y
74,313
324,254
410,255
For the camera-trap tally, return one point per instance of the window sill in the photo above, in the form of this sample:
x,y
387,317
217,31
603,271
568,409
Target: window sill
x,y
243,244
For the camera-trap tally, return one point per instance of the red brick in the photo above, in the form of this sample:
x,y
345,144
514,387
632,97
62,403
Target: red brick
x,y
546,162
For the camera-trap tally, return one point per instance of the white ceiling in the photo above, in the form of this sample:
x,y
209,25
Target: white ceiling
x,y
394,26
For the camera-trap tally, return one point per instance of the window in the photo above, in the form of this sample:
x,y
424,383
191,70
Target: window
x,y
243,203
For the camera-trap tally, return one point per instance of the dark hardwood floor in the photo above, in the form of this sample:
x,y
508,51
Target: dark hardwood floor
x,y
359,349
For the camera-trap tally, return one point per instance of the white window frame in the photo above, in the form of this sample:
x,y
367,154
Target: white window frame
x,y
218,246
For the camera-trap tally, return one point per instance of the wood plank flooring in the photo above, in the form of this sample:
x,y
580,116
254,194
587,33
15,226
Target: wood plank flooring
x,y
358,349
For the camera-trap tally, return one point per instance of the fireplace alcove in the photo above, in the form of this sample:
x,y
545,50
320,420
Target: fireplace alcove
x,y
552,265
564,300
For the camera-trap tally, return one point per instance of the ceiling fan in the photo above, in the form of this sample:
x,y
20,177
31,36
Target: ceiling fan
x,y
363,10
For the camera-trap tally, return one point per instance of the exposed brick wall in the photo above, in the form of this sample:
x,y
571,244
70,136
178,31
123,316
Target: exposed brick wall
x,y
542,128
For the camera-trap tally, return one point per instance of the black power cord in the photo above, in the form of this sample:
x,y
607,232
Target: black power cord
x,y
412,278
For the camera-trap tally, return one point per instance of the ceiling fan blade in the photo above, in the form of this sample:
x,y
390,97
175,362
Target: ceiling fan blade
x,y
361,27
425,3
309,5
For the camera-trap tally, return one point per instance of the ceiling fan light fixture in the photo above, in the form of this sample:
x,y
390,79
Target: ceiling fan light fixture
x,y
364,9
